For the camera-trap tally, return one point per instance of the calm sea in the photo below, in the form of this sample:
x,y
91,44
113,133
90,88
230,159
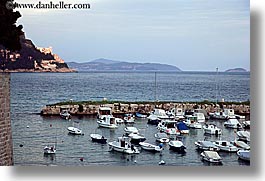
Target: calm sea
x,y
32,91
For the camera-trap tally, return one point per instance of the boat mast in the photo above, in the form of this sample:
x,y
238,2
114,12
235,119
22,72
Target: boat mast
x,y
216,86
155,89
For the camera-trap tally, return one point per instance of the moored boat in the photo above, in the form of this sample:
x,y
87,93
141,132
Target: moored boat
x,y
244,155
49,149
232,123
65,114
226,146
139,115
75,129
150,147
98,138
177,145
212,129
182,127
206,145
131,129
169,127
107,121
136,138
211,156
122,145
162,137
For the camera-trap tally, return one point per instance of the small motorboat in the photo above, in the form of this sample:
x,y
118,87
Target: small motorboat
x,y
246,124
153,120
129,118
211,156
150,147
241,145
122,145
226,146
244,155
98,138
136,138
243,135
65,114
206,145
49,149
139,115
162,137
74,129
191,122
169,127
177,145
182,127
119,120
130,129
232,123
212,129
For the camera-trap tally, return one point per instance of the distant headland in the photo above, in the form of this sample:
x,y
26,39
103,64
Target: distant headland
x,y
236,70
113,65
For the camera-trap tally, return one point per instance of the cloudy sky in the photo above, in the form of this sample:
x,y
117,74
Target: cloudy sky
x,y
190,34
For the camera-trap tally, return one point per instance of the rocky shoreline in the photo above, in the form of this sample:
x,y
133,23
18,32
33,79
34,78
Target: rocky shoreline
x,y
62,70
119,108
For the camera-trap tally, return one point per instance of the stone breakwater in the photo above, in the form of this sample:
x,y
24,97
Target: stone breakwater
x,y
144,108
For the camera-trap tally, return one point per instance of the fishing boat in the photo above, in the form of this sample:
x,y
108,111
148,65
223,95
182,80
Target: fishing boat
x,y
225,146
74,129
122,145
232,123
244,155
206,145
212,129
98,138
130,129
136,138
191,122
65,114
162,137
139,115
107,121
169,127
211,156
177,146
150,147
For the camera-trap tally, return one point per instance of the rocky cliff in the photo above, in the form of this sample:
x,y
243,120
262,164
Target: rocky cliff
x,y
31,59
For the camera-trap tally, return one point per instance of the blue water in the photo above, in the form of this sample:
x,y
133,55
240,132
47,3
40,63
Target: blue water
x,y
32,91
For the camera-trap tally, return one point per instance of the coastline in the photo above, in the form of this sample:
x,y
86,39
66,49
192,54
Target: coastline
x,y
61,70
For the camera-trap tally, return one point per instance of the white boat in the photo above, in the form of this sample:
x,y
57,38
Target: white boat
x,y
246,124
130,129
119,120
169,127
241,145
160,113
104,111
243,135
244,155
122,145
49,149
136,138
150,147
65,114
226,146
74,130
162,137
232,123
129,118
98,138
206,145
139,115
177,145
212,129
211,156
107,121
176,113
191,122
200,117
153,120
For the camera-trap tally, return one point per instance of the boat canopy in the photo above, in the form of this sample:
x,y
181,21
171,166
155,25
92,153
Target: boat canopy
x,y
182,126
212,154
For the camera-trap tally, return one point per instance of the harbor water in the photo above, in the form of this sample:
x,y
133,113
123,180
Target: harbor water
x,y
31,131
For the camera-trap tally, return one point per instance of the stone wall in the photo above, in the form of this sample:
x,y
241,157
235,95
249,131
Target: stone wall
x,y
6,148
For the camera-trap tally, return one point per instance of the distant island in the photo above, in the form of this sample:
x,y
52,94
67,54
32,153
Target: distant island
x,y
113,65
31,59
236,70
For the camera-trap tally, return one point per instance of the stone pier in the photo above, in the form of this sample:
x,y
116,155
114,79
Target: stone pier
x,y
6,148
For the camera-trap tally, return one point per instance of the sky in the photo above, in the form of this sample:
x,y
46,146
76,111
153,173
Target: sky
x,y
194,35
